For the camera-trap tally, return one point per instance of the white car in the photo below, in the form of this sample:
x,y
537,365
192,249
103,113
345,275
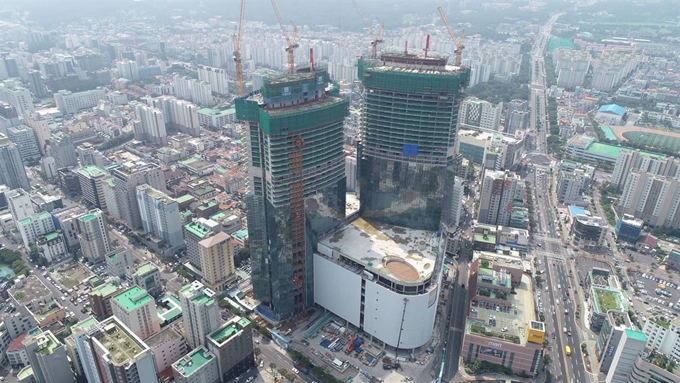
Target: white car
x,y
295,370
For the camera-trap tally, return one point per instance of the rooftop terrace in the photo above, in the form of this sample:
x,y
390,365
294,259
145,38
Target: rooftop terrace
x,y
229,330
120,345
404,254
145,269
193,361
32,289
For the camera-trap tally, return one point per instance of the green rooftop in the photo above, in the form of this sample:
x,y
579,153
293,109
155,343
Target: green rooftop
x,y
174,311
104,290
479,237
84,324
604,149
225,333
87,217
25,221
606,300
91,171
133,298
25,373
636,335
196,229
145,269
120,345
207,205
193,361
110,181
47,343
51,236
662,322
185,198
218,216
198,297
216,112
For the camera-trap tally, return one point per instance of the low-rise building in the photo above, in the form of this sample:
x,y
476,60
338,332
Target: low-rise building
x,y
100,299
605,295
586,231
167,347
501,325
628,229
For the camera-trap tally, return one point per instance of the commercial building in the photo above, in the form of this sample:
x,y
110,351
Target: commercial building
x,y
150,125
572,182
643,162
94,236
68,102
167,347
628,229
371,264
63,150
100,299
673,259
199,366
148,277
160,215
586,148
119,262
501,325
136,309
232,344
12,171
34,226
66,220
116,355
501,192
296,185
609,339
217,261
216,118
200,313
91,180
194,232
587,231
632,344
477,146
652,366
27,143
47,356
481,114
652,198
127,177
88,155
19,204
605,295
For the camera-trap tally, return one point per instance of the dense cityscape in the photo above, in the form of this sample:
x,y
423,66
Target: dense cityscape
x,y
344,191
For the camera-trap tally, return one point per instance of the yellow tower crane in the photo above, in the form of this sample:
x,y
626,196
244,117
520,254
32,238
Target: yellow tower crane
x,y
376,38
237,51
459,43
290,40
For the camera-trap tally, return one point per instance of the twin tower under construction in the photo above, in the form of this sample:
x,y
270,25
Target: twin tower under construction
x,y
297,191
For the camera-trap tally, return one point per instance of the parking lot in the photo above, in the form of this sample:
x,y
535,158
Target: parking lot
x,y
658,295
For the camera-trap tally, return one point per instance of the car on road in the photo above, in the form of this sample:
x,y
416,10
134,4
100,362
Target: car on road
x,y
295,370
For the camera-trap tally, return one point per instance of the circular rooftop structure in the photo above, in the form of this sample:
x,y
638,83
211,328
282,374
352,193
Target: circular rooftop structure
x,y
402,270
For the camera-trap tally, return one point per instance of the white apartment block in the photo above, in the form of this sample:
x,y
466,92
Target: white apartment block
x,y
94,236
160,215
34,226
18,96
128,69
654,199
150,125
136,309
200,92
69,102
179,114
652,163
216,77
663,336
200,313
482,114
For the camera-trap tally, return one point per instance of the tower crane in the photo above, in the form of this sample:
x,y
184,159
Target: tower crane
x,y
291,41
376,38
237,51
459,43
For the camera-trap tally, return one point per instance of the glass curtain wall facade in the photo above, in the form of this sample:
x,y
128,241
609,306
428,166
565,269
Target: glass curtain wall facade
x,y
407,162
297,183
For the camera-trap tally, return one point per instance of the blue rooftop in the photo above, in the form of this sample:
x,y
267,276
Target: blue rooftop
x,y
612,108
576,210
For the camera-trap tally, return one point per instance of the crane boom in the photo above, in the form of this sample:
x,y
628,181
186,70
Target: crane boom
x,y
292,42
375,37
237,51
459,43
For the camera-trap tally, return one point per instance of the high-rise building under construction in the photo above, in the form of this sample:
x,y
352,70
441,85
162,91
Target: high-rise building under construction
x,y
297,181
407,161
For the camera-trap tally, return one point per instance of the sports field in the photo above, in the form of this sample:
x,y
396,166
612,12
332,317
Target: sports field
x,y
646,136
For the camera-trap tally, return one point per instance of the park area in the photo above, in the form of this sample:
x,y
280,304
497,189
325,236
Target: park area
x,y
643,136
